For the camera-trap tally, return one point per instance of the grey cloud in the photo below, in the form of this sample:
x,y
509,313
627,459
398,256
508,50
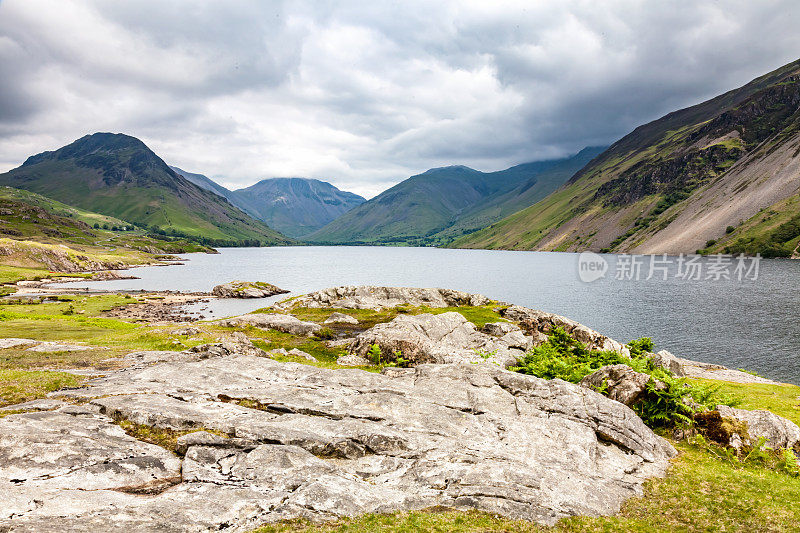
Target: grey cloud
x,y
364,95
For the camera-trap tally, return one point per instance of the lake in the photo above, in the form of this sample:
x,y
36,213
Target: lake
x,y
748,323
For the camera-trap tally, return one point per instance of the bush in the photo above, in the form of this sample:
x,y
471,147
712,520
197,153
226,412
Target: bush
x,y
710,243
668,402
730,229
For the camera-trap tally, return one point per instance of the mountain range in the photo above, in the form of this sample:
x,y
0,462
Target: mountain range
x,y
293,206
434,207
720,176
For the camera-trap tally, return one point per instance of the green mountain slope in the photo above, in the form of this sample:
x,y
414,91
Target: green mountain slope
x,y
434,207
293,206
117,175
698,178
38,232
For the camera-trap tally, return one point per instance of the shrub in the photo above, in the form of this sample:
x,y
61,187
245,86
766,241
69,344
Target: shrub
x,y
730,229
668,401
710,243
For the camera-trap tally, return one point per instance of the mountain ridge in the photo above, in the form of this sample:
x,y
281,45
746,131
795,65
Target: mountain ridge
x,y
118,175
697,179
433,207
293,206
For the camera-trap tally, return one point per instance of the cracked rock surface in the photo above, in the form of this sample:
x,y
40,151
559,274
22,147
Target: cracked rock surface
x,y
285,440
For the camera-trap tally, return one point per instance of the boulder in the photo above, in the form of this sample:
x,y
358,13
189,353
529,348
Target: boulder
x,y
186,332
498,329
294,352
246,289
276,321
340,318
63,347
620,382
669,362
443,338
285,441
779,432
538,325
369,297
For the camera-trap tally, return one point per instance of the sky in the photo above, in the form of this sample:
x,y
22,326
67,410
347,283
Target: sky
x,y
366,94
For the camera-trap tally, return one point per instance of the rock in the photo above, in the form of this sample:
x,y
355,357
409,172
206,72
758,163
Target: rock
x,y
43,404
698,369
669,362
313,443
279,351
15,343
353,360
277,321
621,382
340,318
62,347
779,432
300,353
186,332
442,338
369,297
246,289
498,329
538,325
238,343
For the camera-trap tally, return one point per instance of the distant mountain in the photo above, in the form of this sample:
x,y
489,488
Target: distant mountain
x,y
293,206
436,206
718,176
118,175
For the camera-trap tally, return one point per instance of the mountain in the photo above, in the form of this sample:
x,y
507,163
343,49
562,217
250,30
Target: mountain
x,y
118,175
293,206
436,206
720,176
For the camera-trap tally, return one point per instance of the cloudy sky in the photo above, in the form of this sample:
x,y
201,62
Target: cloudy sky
x,y
365,94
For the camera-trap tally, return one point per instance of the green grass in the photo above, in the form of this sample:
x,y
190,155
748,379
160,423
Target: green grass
x,y
17,386
783,400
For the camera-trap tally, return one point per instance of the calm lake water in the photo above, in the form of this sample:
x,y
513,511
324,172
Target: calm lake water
x,y
751,324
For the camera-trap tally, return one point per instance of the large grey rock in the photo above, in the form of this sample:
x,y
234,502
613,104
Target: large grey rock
x,y
779,432
63,347
620,382
277,321
369,297
316,443
667,361
246,289
442,338
538,324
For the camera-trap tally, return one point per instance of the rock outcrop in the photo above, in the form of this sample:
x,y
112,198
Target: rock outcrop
x,y
284,440
669,362
538,325
442,338
276,321
779,432
620,383
369,297
246,289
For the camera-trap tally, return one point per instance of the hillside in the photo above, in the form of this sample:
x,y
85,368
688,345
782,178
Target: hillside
x,y
293,206
718,176
117,175
434,207
39,233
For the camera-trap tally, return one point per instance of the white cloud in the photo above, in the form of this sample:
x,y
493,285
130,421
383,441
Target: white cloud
x,y
364,95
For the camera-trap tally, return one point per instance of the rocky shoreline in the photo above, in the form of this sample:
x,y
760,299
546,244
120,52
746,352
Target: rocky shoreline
x,y
255,438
